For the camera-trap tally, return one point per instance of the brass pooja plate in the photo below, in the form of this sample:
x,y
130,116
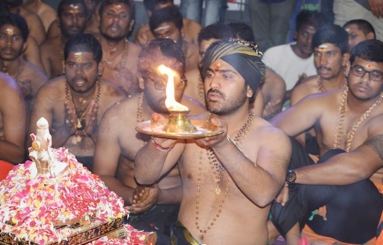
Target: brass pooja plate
x,y
204,129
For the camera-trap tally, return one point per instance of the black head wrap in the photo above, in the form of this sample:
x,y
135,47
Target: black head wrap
x,y
243,56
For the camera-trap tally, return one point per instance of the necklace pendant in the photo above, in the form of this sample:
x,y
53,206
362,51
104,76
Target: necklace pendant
x,y
74,140
217,190
79,124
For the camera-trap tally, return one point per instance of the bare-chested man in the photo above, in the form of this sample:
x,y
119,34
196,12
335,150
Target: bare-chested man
x,y
330,45
46,13
167,23
274,87
346,121
144,35
13,34
228,180
119,55
36,27
72,17
74,104
118,141
12,121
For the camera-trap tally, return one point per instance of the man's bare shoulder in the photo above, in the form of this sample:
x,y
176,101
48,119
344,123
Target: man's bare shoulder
x,y
134,49
122,114
194,106
54,87
32,70
192,75
269,135
49,44
7,84
193,25
111,89
308,86
273,78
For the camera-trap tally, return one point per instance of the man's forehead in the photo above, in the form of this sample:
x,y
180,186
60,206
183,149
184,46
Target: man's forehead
x,y
324,47
368,64
10,29
80,56
163,27
117,7
74,8
307,28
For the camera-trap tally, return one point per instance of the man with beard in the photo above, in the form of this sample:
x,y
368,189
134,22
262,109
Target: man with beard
x,y
167,23
72,17
92,25
118,141
230,179
13,35
74,104
36,27
119,61
330,45
349,174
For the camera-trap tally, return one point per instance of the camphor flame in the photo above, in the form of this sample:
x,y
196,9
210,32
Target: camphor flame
x,y
170,101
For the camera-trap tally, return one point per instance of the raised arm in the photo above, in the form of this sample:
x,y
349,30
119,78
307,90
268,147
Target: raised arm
x,y
13,113
156,159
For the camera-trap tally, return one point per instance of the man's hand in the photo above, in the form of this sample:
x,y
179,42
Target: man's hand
x,y
217,140
283,195
376,7
144,198
301,77
271,109
143,36
91,118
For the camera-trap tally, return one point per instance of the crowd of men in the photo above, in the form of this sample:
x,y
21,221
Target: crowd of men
x,y
312,171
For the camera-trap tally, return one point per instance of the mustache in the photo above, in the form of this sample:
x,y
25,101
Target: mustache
x,y
213,90
76,78
323,67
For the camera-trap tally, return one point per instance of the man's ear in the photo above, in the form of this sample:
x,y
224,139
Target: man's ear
x,y
345,59
149,13
141,82
182,33
295,35
370,35
131,24
346,69
100,68
63,65
249,91
25,45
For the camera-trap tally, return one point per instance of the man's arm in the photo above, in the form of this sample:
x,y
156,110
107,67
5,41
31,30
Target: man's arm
x,y
32,53
45,59
346,168
300,117
261,180
13,111
107,154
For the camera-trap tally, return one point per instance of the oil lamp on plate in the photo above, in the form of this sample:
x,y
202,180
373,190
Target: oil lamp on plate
x,y
178,125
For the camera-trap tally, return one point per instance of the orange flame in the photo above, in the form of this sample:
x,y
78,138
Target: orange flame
x,y
170,101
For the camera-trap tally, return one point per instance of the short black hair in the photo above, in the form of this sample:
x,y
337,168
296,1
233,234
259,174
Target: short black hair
x,y
168,48
3,7
17,21
129,3
151,4
243,30
216,31
84,43
333,34
168,14
60,8
362,24
313,18
371,50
